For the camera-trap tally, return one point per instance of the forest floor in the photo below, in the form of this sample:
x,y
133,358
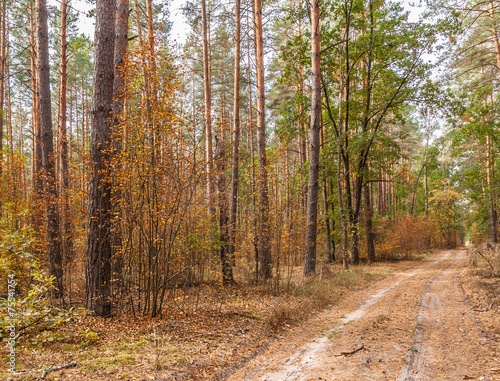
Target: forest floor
x,y
432,318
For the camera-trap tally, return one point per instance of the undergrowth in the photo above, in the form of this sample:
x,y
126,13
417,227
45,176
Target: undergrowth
x,y
487,258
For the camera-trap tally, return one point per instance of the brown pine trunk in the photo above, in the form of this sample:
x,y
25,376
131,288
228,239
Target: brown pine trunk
x,y
495,34
52,216
330,244
220,156
264,229
491,189
121,47
3,43
302,129
236,136
340,187
363,168
370,237
8,112
99,221
252,149
426,194
208,112
36,165
312,186
68,223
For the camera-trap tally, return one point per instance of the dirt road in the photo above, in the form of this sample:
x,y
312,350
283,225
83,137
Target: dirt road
x,y
415,325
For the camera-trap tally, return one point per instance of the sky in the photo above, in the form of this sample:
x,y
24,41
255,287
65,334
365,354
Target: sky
x,y
86,25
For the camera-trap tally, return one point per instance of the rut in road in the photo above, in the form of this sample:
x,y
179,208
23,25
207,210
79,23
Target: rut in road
x,y
414,325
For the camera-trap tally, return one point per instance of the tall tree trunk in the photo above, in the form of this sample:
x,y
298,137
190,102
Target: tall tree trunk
x,y
340,188
208,111
99,221
3,43
312,186
330,244
264,229
52,216
8,111
370,239
491,189
236,136
68,223
426,194
302,129
121,48
495,34
252,148
36,165
363,168
227,271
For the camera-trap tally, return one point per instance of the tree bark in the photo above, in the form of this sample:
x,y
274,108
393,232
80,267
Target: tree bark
x,y
491,189
208,112
370,237
330,244
495,34
227,271
236,136
52,215
252,148
36,165
312,186
340,189
119,93
3,42
99,222
264,229
68,223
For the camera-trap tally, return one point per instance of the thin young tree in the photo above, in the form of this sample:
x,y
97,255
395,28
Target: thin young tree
x,y
236,134
63,136
36,165
264,229
52,215
208,111
3,42
99,219
314,145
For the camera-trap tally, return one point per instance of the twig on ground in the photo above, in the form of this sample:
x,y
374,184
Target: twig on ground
x,y
202,334
47,371
56,368
351,352
245,315
485,258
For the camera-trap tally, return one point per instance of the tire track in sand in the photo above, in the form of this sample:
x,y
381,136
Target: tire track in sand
x,y
299,365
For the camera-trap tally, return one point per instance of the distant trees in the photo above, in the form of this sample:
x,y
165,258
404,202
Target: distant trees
x,y
474,60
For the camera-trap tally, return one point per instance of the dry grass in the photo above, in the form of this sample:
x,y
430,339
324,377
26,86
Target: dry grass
x,y
487,258
483,284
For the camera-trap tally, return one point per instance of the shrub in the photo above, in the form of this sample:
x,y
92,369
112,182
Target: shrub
x,y
397,238
24,301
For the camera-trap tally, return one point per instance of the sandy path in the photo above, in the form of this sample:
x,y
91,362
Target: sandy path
x,y
414,325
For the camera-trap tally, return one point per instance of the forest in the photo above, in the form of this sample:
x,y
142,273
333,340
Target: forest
x,y
157,194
